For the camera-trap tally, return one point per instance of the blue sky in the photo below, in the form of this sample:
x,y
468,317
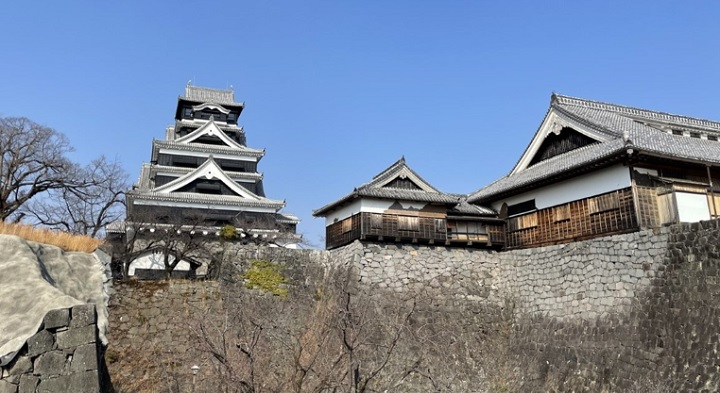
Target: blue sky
x,y
339,90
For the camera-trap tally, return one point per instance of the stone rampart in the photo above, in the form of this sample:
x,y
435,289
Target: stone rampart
x,y
631,312
62,357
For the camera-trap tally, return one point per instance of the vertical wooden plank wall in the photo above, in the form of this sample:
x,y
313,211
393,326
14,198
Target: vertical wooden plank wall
x,y
585,220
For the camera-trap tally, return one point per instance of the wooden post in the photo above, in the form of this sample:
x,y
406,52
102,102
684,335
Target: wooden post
x,y
636,198
712,193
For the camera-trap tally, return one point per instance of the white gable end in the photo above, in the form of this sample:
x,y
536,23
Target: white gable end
x,y
208,170
209,129
552,124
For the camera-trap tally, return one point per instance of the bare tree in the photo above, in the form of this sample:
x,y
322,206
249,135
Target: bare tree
x,y
174,238
179,241
96,201
336,341
33,161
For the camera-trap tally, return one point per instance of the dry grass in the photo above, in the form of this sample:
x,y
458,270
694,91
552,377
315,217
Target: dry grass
x,y
64,240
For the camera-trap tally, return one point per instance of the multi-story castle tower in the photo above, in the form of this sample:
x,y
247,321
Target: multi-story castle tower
x,y
201,177
204,171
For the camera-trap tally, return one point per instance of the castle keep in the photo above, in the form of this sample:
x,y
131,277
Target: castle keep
x,y
200,178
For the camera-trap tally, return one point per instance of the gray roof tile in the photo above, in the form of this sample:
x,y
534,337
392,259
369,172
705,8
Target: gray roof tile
x,y
377,188
647,132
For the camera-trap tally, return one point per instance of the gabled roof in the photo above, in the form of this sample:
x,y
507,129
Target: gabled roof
x,y
208,170
241,151
149,170
463,207
619,130
381,187
210,129
200,123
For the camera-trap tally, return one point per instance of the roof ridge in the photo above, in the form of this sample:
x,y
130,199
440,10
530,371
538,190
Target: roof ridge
x,y
629,110
208,94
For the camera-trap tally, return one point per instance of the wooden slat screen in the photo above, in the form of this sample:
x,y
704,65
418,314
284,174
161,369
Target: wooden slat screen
x,y
603,214
523,222
561,213
603,203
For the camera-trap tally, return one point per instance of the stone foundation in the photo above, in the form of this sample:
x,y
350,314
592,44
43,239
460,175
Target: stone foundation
x,y
64,356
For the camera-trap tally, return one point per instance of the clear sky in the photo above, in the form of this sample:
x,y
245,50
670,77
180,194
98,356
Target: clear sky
x,y
336,91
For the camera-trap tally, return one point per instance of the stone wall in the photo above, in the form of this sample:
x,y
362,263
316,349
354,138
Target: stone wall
x,y
632,312
584,280
62,357
151,337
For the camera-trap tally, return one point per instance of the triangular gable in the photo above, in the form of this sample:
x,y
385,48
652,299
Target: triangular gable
x,y
208,170
405,183
553,124
209,129
198,108
400,171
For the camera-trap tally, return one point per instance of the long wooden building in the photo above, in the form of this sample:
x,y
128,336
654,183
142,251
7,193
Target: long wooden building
x,y
595,168
397,205
591,169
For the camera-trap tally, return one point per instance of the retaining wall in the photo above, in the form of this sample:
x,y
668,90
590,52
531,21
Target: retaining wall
x,y
62,357
631,312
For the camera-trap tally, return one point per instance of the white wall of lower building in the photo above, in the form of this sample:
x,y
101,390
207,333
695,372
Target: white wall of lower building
x,y
583,186
368,206
692,207
154,260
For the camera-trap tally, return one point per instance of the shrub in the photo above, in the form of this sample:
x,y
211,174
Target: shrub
x,y
267,277
228,232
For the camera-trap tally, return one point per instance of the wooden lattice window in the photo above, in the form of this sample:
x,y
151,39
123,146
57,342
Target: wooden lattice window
x,y
376,221
440,225
406,223
346,225
604,203
561,213
523,222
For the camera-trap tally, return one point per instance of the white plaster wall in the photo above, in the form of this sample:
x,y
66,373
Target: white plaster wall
x,y
343,212
692,207
368,206
154,260
598,182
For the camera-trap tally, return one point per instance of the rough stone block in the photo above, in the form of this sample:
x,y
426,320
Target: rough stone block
x,y
41,342
28,383
51,363
85,382
55,385
76,336
83,315
7,387
57,318
22,365
84,358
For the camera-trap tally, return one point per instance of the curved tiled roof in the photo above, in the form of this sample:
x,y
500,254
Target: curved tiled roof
x,y
200,123
377,188
195,147
183,171
206,199
643,131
